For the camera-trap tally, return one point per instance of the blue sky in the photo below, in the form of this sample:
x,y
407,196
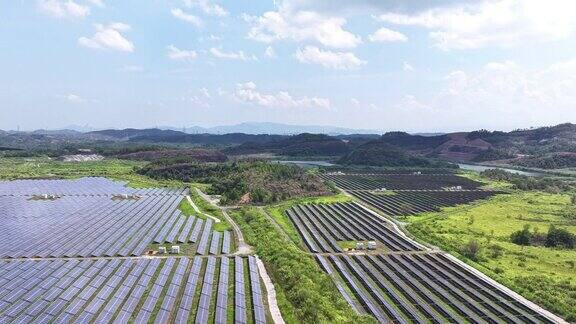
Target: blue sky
x,y
378,64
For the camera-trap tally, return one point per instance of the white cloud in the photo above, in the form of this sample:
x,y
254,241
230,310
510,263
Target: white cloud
x,y
175,53
387,35
131,68
270,52
218,53
247,93
493,23
72,98
97,3
300,26
407,67
207,7
506,88
108,37
180,14
63,9
205,93
329,59
501,66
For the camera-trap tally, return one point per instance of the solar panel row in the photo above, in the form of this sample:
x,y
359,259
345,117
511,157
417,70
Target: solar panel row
x,y
96,226
131,290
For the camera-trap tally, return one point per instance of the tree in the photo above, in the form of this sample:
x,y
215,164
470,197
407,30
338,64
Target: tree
x,y
559,237
522,237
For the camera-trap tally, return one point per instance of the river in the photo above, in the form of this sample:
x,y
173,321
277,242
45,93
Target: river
x,y
480,168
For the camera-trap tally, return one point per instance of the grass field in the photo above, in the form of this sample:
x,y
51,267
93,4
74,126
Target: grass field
x,y
487,183
46,168
544,275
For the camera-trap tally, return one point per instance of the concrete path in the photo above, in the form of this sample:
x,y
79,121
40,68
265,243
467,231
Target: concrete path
x,y
270,292
243,247
196,209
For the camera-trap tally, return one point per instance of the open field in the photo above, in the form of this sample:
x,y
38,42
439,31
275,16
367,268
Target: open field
x,y
46,168
544,275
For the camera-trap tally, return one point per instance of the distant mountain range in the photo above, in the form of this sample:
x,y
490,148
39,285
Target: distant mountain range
x,y
546,147
256,128
252,128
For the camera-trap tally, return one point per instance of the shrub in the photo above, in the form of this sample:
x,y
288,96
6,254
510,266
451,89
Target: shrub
x,y
472,250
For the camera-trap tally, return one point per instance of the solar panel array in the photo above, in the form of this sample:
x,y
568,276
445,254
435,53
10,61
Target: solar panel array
x,y
87,186
322,226
94,224
400,282
410,194
423,288
400,181
138,290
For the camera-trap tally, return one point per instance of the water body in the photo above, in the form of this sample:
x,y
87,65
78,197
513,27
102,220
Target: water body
x,y
480,168
305,163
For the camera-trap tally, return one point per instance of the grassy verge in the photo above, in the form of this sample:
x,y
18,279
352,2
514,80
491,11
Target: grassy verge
x,y
544,275
278,211
310,295
204,207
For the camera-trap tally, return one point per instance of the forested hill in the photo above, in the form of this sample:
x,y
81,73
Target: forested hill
x,y
545,147
301,145
380,153
154,135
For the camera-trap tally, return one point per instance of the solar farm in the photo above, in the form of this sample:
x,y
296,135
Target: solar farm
x,y
398,280
81,251
409,194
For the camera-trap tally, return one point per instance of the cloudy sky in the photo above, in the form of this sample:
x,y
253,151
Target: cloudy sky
x,y
412,65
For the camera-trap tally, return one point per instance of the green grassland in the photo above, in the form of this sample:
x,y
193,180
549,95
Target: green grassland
x,y
544,275
46,168
487,183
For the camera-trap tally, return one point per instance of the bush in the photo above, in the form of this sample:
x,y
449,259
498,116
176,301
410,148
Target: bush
x,y
472,250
